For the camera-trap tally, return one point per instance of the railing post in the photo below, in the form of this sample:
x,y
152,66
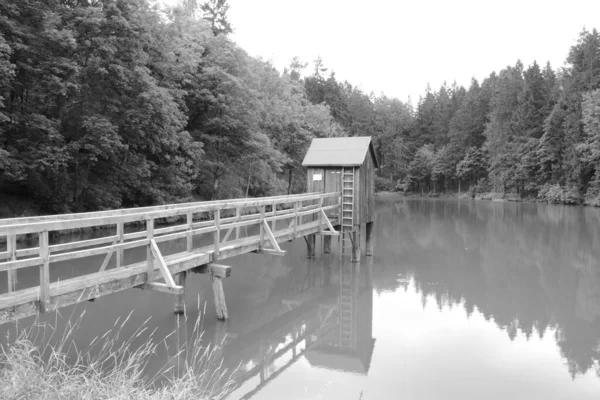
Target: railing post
x,y
296,219
238,215
190,220
262,229
320,213
149,255
274,215
11,247
120,239
217,234
44,271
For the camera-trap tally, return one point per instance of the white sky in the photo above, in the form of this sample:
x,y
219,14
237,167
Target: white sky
x,y
397,47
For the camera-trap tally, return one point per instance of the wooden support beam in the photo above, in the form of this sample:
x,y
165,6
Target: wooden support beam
x,y
220,270
311,242
271,252
163,288
329,233
162,265
219,293
107,258
44,272
180,279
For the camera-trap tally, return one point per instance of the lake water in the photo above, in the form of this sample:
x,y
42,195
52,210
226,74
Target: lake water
x,y
462,300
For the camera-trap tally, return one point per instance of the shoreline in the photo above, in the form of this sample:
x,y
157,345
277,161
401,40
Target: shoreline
x,y
489,196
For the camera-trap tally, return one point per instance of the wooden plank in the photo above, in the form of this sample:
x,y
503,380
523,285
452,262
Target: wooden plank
x,y
179,235
17,264
161,287
162,265
44,272
95,251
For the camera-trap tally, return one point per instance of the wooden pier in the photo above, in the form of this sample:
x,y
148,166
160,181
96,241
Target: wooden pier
x,y
271,220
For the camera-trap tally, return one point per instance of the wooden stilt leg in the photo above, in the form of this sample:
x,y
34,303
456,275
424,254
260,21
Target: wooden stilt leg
x,y
356,245
369,244
180,298
326,244
311,244
220,306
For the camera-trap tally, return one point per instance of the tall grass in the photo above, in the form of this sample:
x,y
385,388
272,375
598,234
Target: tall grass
x,y
39,363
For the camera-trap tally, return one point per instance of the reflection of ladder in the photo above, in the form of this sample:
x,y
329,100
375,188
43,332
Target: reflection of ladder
x,y
347,222
345,304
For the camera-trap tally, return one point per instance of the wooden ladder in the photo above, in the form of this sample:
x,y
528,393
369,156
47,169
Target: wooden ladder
x,y
347,216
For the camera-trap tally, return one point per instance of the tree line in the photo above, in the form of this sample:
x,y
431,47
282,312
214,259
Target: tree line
x,y
526,132
120,103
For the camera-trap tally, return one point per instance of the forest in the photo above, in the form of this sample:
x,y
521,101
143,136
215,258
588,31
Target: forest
x,y
121,103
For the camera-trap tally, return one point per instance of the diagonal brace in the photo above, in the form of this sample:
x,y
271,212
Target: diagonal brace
x,y
162,265
332,230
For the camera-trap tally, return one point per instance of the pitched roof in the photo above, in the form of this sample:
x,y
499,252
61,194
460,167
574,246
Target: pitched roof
x,y
339,151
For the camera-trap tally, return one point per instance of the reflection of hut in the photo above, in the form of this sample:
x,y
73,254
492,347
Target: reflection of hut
x,y
350,347
346,165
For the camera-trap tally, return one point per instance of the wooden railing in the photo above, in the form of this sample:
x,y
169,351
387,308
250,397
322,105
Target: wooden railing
x,y
227,216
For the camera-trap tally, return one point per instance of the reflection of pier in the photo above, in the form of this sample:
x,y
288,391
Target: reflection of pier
x,y
329,324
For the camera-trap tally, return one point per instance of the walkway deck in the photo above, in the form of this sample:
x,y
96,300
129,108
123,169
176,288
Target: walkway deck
x,y
275,219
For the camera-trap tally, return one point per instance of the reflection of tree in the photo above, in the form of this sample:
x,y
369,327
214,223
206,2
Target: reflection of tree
x,y
529,267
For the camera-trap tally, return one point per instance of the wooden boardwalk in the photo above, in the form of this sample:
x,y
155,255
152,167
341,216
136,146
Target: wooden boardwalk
x,y
271,220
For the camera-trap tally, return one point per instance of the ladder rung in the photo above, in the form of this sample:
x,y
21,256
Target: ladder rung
x,y
347,204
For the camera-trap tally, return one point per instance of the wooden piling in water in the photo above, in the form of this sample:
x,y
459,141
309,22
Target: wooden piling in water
x,y
180,279
356,245
369,239
326,244
311,244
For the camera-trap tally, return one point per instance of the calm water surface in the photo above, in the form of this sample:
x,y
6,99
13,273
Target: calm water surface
x,y
462,300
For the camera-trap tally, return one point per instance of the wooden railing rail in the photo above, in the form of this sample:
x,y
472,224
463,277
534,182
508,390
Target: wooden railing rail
x,y
137,210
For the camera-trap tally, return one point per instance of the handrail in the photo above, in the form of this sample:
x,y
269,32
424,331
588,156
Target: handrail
x,y
132,210
85,222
